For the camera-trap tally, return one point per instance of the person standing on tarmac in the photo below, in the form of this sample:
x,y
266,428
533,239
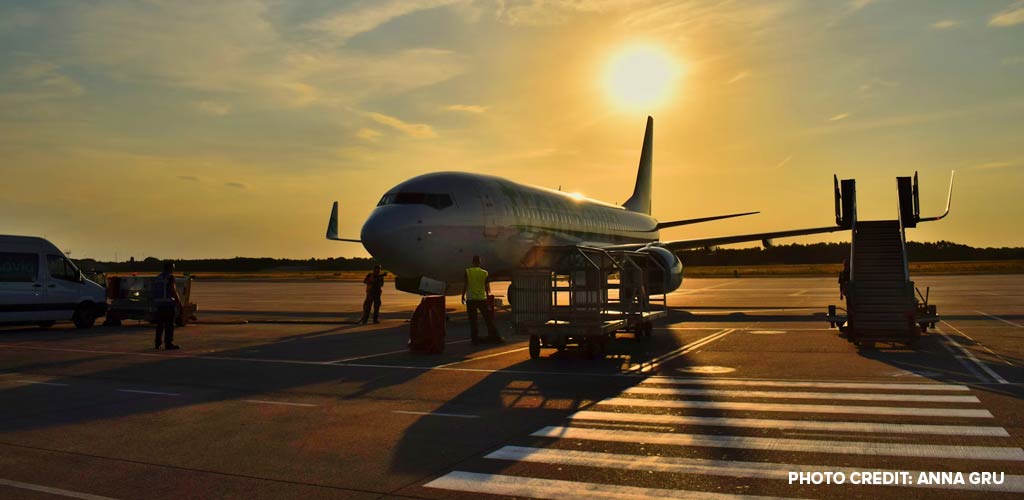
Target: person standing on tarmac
x,y
374,288
166,302
474,295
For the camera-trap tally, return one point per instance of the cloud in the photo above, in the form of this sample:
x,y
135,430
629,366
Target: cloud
x,y
353,21
467,108
1010,16
945,24
856,5
190,178
874,86
213,108
737,77
1013,61
368,134
416,130
784,162
236,185
38,80
997,164
840,116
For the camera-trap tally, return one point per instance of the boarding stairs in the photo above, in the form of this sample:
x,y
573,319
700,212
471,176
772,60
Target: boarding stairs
x,y
881,305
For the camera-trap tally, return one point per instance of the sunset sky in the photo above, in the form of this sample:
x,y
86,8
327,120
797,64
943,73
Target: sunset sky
x,y
219,129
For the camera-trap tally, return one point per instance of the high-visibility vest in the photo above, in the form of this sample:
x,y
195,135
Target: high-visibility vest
x,y
476,288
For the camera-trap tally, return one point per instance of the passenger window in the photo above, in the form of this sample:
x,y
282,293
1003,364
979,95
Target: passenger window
x,y
18,267
61,269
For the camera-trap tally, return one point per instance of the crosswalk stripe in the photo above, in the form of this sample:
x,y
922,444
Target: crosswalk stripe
x,y
516,486
801,408
759,423
679,465
777,444
920,398
795,383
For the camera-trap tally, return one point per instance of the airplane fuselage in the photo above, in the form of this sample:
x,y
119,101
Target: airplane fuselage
x,y
432,225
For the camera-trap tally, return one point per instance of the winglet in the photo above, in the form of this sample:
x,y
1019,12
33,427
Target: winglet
x,y
949,200
641,199
332,226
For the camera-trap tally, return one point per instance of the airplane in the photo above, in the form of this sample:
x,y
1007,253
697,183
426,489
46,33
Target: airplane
x,y
426,229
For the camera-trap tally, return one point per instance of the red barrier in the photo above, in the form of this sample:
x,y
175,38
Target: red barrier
x,y
427,328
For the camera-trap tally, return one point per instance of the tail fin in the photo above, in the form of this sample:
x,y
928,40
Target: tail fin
x,y
641,199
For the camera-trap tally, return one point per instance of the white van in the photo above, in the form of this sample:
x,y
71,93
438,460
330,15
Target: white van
x,y
39,285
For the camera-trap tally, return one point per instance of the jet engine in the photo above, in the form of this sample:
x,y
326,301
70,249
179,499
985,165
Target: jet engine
x,y
669,277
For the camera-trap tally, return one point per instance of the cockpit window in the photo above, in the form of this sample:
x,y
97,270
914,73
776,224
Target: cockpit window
x,y
435,200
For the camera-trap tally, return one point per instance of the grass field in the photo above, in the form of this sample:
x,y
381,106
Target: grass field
x,y
916,268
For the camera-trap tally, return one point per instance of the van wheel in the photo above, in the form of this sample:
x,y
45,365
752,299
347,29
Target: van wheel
x,y
84,317
45,324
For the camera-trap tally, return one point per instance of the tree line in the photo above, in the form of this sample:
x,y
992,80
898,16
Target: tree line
x,y
814,253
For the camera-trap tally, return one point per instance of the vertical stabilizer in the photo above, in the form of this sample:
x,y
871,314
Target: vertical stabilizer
x,y
641,199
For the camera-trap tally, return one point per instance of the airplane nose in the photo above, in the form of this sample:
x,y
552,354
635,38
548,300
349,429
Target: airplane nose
x,y
386,239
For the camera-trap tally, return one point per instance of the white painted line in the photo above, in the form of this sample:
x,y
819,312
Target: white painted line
x,y
970,355
763,423
553,489
983,346
1008,322
849,396
797,294
653,363
400,351
482,357
1011,453
149,392
36,382
793,383
52,491
435,414
800,408
679,465
264,402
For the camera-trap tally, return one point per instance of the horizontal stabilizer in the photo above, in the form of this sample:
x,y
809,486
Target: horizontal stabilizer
x,y
332,227
684,222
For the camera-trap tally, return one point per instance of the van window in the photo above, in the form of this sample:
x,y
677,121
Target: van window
x,y
61,269
18,267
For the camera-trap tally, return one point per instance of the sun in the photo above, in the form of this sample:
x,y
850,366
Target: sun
x,y
641,77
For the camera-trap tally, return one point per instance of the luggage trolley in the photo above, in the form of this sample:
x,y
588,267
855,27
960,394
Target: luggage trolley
x,y
634,302
559,298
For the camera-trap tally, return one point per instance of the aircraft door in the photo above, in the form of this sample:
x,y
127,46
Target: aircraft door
x,y
490,212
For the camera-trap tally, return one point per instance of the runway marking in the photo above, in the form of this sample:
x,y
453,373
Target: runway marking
x,y
679,465
999,319
518,486
797,294
655,362
435,414
795,383
51,490
482,357
928,398
983,346
800,408
969,355
284,403
135,391
762,423
745,311
780,444
400,351
36,382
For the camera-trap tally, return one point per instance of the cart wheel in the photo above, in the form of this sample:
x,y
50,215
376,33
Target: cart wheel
x,y
534,347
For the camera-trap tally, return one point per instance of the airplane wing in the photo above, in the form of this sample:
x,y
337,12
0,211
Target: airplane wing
x,y
678,245
332,227
676,223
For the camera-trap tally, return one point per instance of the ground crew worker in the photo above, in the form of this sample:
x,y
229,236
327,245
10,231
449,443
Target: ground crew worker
x,y
374,288
474,295
166,303
844,278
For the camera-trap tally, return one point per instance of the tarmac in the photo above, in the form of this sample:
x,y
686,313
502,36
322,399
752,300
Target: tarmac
x,y
276,393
